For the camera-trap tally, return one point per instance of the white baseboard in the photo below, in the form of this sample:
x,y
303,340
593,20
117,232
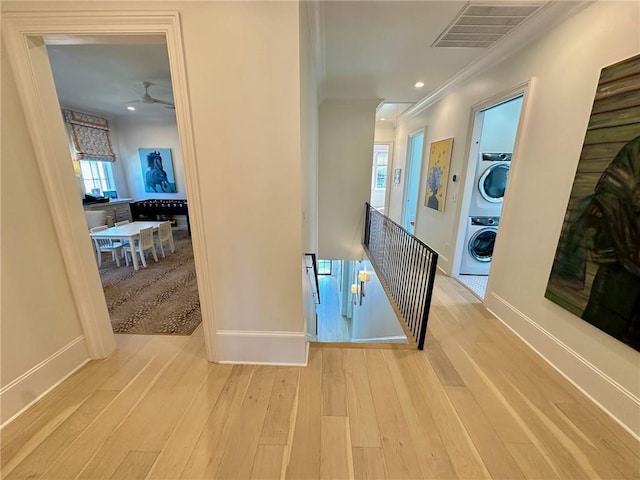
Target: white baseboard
x,y
614,399
393,339
34,384
261,348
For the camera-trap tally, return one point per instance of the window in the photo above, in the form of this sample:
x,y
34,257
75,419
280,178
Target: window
x,y
324,267
92,149
380,164
97,177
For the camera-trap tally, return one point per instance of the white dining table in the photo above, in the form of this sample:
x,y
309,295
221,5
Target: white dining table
x,y
129,231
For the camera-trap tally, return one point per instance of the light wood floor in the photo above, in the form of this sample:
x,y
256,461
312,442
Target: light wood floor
x,y
476,404
332,326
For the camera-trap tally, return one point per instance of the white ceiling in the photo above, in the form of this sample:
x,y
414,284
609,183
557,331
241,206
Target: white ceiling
x,y
369,50
381,49
106,78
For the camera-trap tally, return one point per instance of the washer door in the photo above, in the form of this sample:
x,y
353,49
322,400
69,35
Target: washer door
x,y
493,182
481,244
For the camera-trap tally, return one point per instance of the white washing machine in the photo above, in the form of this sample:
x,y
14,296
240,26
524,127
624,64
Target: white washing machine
x,y
478,245
489,184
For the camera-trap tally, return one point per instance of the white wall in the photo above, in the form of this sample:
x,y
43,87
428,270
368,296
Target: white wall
x,y
40,325
375,318
249,169
384,133
344,175
564,67
308,157
133,134
499,127
309,130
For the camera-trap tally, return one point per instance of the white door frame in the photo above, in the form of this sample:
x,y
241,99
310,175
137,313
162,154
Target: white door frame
x,y
407,171
471,152
24,34
388,181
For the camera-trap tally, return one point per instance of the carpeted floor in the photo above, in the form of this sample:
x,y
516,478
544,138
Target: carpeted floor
x,y
160,299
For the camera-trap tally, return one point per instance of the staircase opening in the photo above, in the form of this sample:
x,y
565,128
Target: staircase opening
x,y
354,307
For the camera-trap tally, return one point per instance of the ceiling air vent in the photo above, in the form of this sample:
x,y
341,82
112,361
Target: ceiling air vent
x,y
482,24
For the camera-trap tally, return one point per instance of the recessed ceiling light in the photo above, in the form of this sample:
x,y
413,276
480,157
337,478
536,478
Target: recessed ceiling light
x,y
131,108
419,84
382,119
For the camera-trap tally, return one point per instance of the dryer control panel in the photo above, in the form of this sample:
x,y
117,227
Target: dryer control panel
x,y
485,221
496,157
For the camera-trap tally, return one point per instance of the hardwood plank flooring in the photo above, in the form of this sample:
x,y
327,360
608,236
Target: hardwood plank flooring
x,y
134,466
477,404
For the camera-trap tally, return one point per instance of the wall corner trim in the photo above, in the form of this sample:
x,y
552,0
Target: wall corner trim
x,y
262,347
35,383
614,399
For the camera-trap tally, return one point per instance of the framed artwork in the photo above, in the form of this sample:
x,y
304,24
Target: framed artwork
x,y
438,174
157,170
596,269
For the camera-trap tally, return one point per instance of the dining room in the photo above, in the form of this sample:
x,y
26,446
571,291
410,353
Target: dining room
x,y
127,159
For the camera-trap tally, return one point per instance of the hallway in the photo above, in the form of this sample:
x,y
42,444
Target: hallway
x,y
477,403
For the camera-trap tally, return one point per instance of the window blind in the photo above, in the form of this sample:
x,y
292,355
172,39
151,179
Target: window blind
x,y
90,135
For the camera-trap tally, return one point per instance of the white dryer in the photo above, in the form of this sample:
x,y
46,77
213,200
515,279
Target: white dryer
x,y
490,183
478,246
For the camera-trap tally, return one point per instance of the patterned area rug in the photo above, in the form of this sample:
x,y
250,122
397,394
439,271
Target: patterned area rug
x,y
160,299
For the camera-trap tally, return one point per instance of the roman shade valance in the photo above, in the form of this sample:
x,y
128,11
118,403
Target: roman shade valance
x,y
90,135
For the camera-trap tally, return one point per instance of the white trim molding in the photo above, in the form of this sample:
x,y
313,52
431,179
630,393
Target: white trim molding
x,y
24,34
31,386
393,339
614,399
262,348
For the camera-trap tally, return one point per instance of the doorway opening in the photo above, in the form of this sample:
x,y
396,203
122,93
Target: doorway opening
x,y
126,90
494,136
379,175
26,37
412,182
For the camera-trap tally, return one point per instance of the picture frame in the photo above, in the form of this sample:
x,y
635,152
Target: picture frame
x,y
397,175
157,170
438,174
595,269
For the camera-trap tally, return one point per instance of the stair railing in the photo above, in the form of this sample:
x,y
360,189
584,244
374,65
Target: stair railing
x,y
406,268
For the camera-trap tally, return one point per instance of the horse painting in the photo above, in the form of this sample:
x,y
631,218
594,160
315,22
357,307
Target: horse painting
x,y
156,179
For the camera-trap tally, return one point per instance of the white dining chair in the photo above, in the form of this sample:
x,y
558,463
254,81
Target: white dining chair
x,y
143,243
106,245
165,234
123,241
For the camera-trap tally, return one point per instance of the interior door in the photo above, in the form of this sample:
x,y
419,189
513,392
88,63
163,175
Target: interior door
x,y
412,185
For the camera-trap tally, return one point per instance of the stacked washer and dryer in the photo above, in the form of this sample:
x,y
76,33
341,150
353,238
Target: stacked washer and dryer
x,y
484,212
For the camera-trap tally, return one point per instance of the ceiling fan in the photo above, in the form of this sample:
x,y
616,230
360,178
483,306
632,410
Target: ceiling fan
x,y
146,98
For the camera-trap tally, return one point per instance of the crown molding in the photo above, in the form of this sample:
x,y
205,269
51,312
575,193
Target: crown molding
x,y
541,23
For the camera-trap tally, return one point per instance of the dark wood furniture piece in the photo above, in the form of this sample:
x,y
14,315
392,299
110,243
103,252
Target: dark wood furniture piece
x,y
152,209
